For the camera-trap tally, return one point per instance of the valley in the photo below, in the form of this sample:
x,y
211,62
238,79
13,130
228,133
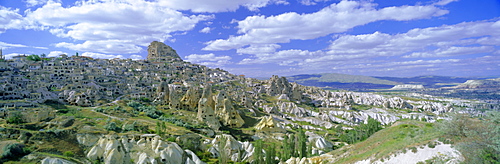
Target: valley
x,y
76,109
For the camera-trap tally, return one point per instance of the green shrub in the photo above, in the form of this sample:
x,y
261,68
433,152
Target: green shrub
x,y
432,144
15,118
13,151
68,154
112,127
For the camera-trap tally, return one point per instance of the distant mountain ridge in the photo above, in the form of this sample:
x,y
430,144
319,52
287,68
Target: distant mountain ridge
x,y
342,81
359,82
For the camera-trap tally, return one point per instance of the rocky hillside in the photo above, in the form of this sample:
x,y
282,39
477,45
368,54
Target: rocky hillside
x,y
164,110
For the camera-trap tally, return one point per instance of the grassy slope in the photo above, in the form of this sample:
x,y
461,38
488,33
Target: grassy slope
x,y
400,136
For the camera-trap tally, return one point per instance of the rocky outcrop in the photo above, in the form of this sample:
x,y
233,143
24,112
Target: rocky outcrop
x,y
474,84
52,160
176,93
162,94
135,149
236,150
291,108
407,87
230,116
191,98
207,115
160,51
226,112
278,86
269,125
79,99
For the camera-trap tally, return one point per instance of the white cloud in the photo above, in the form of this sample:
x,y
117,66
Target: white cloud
x,y
10,19
104,46
444,2
56,53
451,51
4,45
101,56
10,55
311,2
447,40
136,57
371,52
258,49
104,26
206,30
335,18
208,59
31,3
214,6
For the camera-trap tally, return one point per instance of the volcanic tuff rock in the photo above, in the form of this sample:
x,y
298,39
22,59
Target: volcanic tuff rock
x,y
160,51
207,115
407,86
269,125
237,151
141,149
51,160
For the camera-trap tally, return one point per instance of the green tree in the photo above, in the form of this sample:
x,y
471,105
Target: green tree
x,y
286,147
302,143
271,154
258,156
292,146
223,157
34,57
161,128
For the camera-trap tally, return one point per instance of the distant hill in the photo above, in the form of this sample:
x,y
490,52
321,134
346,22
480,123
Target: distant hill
x,y
342,81
431,81
341,78
358,82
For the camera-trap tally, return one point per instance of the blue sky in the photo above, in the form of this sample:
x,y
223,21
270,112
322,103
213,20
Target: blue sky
x,y
260,38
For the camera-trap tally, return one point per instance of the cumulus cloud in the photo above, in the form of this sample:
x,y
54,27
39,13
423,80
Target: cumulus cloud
x,y
444,2
31,3
311,2
371,52
10,45
101,56
451,51
56,53
136,57
336,18
206,30
214,6
104,26
258,49
10,55
10,19
208,59
104,46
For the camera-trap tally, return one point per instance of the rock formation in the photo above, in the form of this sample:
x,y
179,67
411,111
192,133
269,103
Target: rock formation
x,y
112,149
207,115
269,125
160,51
